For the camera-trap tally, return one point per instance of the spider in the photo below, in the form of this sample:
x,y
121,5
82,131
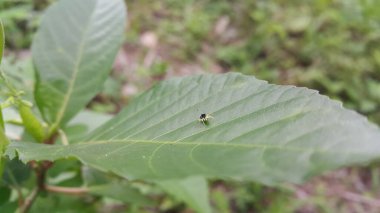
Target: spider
x,y
204,118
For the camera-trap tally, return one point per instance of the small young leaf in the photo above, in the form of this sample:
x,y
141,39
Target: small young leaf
x,y
32,125
73,52
259,131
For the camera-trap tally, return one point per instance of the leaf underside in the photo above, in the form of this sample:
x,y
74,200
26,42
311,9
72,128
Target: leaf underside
x,y
259,131
73,52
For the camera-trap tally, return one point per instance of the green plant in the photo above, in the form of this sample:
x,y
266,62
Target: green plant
x,y
259,132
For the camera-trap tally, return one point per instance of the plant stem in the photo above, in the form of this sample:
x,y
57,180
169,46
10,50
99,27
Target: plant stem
x,y
67,190
1,118
29,201
10,87
40,170
3,145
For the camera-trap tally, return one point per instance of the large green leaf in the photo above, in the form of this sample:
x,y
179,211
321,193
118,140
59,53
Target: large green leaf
x,y
262,132
2,40
73,52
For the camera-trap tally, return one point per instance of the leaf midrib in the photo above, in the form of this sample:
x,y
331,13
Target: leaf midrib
x,y
200,143
73,78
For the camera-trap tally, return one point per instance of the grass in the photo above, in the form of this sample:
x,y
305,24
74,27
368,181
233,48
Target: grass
x,y
331,46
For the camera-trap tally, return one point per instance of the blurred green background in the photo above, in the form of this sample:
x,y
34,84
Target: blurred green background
x,y
332,46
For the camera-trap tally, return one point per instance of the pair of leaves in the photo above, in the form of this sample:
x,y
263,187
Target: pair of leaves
x,y
73,52
260,132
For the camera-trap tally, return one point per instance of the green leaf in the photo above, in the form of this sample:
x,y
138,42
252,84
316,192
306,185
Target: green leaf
x,y
16,173
9,207
5,194
103,184
2,40
121,191
20,74
3,146
192,190
63,204
73,52
12,132
31,123
260,132
93,177
85,122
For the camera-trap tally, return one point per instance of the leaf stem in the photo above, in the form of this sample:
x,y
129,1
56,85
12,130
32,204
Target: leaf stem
x,y
63,136
10,87
67,190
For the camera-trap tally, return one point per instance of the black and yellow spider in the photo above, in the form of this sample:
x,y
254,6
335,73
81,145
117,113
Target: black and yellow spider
x,y
204,118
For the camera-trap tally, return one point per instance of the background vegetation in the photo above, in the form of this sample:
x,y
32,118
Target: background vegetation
x,y
329,45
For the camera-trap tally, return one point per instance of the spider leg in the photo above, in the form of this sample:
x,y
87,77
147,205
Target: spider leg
x,y
209,116
202,121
